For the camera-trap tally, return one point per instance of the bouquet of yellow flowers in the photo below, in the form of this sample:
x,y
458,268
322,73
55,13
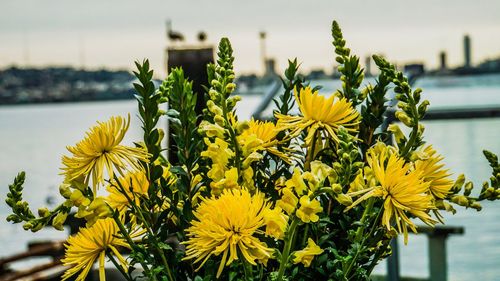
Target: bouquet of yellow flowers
x,y
316,195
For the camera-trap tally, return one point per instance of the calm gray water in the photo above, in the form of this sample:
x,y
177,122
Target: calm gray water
x,y
33,138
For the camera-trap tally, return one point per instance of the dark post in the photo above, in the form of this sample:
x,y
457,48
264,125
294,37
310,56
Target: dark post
x,y
393,262
194,63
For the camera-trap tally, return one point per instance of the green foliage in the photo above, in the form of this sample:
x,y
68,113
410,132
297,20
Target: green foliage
x,y
412,109
292,81
332,173
373,112
352,73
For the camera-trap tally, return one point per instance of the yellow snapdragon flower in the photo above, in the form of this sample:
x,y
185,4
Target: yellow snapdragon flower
x,y
306,255
309,209
276,223
288,201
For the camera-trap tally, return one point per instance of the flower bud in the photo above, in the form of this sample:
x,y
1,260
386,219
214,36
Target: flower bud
x,y
64,190
337,188
404,118
43,212
27,226
37,227
460,200
396,131
79,199
215,83
213,94
100,208
476,206
468,188
242,126
416,94
219,120
458,183
230,87
344,199
13,218
59,220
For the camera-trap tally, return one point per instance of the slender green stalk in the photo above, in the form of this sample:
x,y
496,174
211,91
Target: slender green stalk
x,y
118,266
234,141
247,268
310,152
129,240
289,237
148,228
361,228
353,261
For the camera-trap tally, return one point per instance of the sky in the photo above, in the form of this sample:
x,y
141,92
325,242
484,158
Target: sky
x,y
113,33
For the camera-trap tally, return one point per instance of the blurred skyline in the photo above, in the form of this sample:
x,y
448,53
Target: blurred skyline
x,y
112,33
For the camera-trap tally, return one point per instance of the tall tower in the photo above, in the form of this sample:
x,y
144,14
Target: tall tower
x,y
467,51
263,56
442,60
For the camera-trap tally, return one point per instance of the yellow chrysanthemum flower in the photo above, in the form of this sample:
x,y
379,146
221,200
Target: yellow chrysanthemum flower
x,y
433,173
261,135
227,225
135,184
307,254
309,209
101,150
90,244
319,112
402,189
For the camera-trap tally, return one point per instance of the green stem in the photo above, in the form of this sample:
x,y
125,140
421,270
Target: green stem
x,y
411,141
286,248
116,217
304,238
139,212
247,268
232,135
310,153
118,266
353,261
361,228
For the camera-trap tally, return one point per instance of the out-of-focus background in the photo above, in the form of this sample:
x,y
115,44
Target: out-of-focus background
x,y
65,64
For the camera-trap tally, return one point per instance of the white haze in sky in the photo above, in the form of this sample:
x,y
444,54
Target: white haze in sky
x,y
114,33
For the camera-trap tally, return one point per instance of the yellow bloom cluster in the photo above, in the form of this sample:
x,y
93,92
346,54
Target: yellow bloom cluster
x,y
319,113
101,151
90,244
303,185
229,225
401,187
